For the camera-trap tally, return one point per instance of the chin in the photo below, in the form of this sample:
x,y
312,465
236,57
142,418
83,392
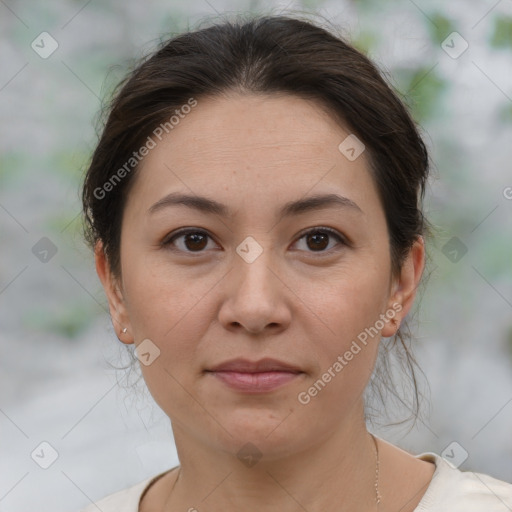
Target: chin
x,y
265,433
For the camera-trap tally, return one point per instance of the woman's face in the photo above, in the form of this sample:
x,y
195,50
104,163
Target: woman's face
x,y
252,283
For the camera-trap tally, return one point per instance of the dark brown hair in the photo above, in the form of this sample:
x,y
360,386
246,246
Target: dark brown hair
x,y
268,55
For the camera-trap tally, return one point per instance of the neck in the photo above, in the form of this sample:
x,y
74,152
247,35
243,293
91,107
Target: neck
x,y
337,472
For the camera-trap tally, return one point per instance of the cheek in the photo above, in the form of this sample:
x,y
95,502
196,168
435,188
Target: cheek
x,y
349,309
345,355
353,299
161,298
172,310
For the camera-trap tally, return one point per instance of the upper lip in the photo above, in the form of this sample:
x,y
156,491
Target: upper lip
x,y
263,365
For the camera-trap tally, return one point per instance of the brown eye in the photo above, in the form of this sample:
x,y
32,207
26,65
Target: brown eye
x,y
319,239
190,241
195,241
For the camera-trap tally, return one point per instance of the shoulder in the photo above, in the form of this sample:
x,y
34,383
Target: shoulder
x,y
127,499
453,490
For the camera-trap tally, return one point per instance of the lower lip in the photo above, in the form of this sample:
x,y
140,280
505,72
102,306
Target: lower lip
x,y
255,382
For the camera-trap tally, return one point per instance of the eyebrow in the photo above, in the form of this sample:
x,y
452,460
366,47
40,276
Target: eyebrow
x,y
207,205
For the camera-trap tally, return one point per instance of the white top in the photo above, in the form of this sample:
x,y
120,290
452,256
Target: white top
x,y
450,490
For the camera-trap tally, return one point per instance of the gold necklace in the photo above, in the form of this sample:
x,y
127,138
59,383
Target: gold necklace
x,y
377,493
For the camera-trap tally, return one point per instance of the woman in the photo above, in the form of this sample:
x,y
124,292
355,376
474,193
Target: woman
x,y
254,204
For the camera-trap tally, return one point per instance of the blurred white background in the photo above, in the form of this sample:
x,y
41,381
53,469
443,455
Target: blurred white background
x,y
56,341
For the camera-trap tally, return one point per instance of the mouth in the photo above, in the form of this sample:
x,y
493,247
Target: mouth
x,y
255,377
256,382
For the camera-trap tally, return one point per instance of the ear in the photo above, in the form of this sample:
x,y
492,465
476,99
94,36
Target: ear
x,y
113,291
404,286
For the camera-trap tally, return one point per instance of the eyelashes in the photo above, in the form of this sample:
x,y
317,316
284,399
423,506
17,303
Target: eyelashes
x,y
202,238
169,242
327,233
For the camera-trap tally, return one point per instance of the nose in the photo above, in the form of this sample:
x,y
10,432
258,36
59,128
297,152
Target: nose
x,y
256,298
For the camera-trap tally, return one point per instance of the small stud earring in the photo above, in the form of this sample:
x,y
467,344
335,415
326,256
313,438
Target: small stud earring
x,y
124,330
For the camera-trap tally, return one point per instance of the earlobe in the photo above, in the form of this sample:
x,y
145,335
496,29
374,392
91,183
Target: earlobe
x,y
405,286
118,313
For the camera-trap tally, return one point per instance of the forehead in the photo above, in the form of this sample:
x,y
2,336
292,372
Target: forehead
x,y
249,147
253,124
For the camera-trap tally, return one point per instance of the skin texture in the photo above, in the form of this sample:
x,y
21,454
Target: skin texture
x,y
254,153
